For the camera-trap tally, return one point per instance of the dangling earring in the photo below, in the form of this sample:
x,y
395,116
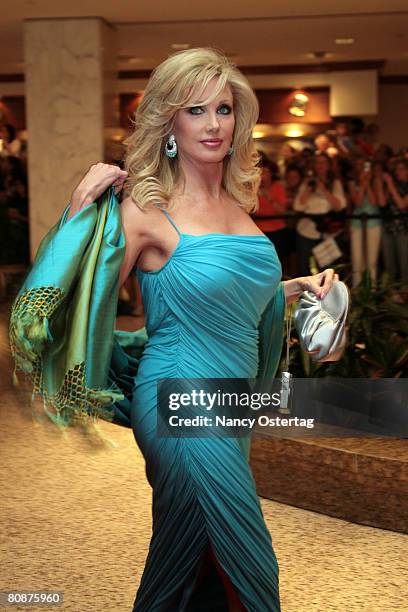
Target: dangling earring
x,y
171,146
230,150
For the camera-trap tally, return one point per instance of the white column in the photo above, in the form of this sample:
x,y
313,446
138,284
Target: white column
x,y
71,101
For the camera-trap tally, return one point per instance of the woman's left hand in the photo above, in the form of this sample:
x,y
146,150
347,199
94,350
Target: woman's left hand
x,y
319,284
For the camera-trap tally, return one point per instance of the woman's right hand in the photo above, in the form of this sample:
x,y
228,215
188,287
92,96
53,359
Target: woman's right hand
x,y
98,178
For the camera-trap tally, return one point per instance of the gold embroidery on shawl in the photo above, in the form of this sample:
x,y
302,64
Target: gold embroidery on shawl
x,y
28,333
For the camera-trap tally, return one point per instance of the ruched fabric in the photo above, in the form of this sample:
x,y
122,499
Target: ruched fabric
x,y
203,309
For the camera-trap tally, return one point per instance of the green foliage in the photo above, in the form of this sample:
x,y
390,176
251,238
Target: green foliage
x,y
377,344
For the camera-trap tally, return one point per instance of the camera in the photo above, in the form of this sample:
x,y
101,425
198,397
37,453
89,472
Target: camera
x,y
312,183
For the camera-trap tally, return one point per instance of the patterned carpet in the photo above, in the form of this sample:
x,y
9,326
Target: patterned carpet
x,y
76,518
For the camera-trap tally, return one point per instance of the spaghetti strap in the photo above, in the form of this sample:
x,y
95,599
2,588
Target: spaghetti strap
x,y
171,220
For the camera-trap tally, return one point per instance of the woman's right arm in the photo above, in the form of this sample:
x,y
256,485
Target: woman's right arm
x,y
136,236
78,201
98,178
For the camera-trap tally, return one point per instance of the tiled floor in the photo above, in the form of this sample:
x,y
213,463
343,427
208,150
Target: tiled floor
x,y
77,518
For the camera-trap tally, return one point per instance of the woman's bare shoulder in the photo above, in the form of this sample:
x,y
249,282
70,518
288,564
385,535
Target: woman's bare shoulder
x,y
137,220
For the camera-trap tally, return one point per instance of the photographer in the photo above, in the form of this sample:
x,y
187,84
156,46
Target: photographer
x,y
319,194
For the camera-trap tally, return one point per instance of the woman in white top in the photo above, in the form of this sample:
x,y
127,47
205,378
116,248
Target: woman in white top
x,y
318,195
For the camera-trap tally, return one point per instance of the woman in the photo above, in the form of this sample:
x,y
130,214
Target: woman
x,y
365,235
392,196
318,195
273,201
206,273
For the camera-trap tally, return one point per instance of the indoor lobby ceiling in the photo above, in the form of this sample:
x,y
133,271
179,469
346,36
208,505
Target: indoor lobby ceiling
x,y
257,33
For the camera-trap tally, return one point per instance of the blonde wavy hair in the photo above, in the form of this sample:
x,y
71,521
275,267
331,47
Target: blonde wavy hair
x,y
152,176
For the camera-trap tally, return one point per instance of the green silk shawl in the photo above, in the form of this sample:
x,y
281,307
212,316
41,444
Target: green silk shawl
x,y
62,321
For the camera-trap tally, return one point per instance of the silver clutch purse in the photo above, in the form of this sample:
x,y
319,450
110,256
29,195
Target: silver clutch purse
x,y
321,324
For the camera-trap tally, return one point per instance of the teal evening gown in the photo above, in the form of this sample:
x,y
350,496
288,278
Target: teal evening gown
x,y
202,309
214,310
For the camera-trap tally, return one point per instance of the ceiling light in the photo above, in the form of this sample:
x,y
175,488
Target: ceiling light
x,y
294,133
344,41
298,105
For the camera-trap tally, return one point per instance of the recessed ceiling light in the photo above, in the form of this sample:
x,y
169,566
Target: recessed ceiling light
x,y
344,41
180,45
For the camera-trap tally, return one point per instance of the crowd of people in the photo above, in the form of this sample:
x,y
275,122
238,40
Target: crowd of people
x,y
14,223
344,188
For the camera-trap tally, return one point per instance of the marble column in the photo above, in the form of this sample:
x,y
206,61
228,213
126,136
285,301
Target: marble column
x,y
71,104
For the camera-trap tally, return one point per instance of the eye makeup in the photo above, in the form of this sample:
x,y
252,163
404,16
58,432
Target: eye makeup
x,y
226,109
